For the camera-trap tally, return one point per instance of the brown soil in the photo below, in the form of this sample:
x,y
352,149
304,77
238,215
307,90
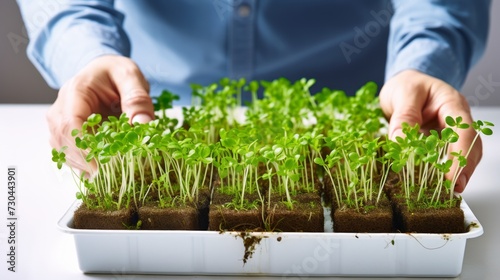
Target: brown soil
x,y
249,242
367,220
391,185
179,217
85,218
223,217
306,215
418,219
182,216
442,220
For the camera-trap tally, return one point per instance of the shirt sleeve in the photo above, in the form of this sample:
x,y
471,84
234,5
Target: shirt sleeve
x,y
442,38
67,34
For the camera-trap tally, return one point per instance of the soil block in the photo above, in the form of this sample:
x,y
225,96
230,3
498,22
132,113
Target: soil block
x,y
85,218
177,217
430,220
371,219
425,219
224,217
306,215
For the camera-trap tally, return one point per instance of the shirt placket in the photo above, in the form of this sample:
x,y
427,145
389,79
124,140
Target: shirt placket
x,y
241,39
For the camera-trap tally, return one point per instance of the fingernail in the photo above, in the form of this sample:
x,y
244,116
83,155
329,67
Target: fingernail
x,y
141,118
395,133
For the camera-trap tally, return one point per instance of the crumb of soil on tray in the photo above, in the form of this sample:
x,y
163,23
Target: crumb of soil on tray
x,y
249,242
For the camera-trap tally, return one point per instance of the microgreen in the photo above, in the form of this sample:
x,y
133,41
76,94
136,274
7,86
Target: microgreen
x,y
481,127
59,157
423,160
281,145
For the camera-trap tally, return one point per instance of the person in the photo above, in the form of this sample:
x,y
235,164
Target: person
x,y
108,56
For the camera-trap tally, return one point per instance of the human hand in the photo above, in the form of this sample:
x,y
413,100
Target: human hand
x,y
414,97
109,85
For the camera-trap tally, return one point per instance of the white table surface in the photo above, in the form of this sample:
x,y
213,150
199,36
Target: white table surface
x,y
44,193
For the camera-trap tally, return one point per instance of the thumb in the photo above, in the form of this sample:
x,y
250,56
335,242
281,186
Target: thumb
x,y
134,94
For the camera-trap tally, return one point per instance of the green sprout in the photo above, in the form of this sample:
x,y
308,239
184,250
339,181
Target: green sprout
x,y
284,143
59,157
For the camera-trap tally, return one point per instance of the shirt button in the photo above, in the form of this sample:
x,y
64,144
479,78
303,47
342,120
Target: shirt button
x,y
244,10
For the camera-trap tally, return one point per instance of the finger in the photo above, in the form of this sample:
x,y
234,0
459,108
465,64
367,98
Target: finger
x,y
59,140
75,156
406,105
133,89
65,115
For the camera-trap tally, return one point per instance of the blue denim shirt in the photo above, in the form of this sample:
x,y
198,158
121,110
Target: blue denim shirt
x,y
340,43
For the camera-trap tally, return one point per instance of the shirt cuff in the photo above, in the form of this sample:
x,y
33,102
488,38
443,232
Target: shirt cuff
x,y
431,57
66,55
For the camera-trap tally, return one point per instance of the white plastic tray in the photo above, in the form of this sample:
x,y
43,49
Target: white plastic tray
x,y
281,254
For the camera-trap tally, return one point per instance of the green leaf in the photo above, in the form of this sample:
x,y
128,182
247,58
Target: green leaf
x,y
224,81
449,135
488,123
463,126
450,121
79,195
229,143
125,126
433,156
487,131
353,157
462,161
115,147
177,155
396,167
431,142
112,119
145,139
208,160
447,165
420,151
103,159
319,161
453,138
253,86
205,152
291,164
94,119
131,137
295,177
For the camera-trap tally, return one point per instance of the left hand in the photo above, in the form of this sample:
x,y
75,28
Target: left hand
x,y
414,97
108,85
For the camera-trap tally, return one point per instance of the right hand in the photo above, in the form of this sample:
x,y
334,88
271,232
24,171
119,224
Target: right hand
x,y
414,97
108,85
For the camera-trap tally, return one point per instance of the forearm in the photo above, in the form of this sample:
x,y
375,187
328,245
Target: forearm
x,y
65,35
441,38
